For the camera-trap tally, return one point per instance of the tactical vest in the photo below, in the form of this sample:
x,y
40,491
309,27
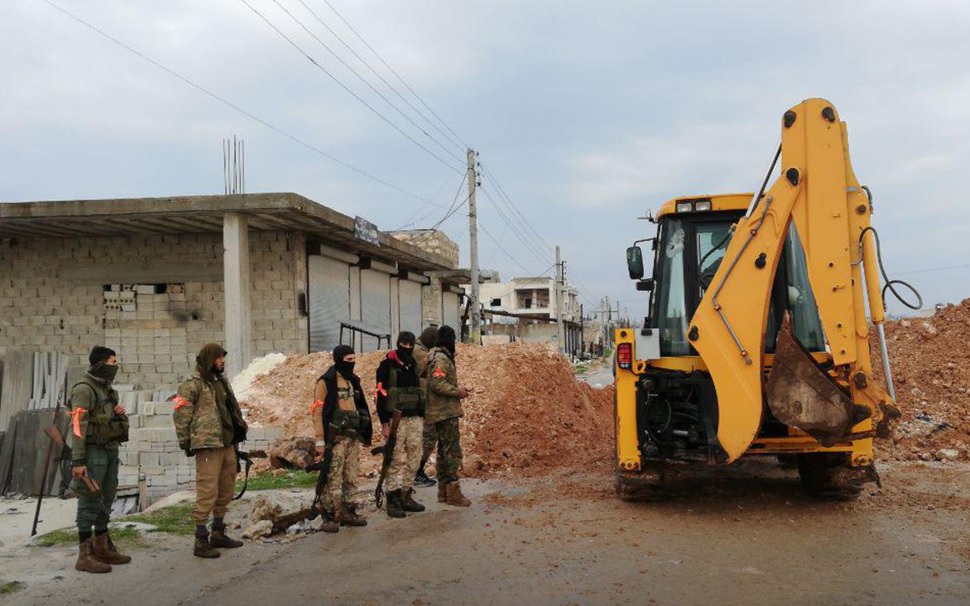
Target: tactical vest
x,y
346,419
405,399
104,427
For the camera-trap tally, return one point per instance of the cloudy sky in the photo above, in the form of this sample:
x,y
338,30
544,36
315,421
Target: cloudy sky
x,y
585,114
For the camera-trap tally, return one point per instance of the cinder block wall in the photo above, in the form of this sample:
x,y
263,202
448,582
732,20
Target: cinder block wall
x,y
52,297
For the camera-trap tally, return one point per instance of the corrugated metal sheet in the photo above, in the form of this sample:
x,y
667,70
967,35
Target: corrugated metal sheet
x,y
375,304
449,311
329,287
411,312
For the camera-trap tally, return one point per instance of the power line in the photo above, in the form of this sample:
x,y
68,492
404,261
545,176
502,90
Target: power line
x,y
390,86
396,75
360,77
502,248
514,208
350,91
237,108
412,220
931,269
519,233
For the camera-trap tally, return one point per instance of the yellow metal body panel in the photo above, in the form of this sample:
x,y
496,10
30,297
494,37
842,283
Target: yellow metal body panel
x,y
627,445
819,192
718,202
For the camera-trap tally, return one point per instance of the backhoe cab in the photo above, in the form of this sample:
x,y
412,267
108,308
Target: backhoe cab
x,y
756,338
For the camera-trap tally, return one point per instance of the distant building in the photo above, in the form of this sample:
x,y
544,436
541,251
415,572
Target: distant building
x,y
524,309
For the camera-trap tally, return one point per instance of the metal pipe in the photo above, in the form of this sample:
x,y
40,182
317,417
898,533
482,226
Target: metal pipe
x,y
886,370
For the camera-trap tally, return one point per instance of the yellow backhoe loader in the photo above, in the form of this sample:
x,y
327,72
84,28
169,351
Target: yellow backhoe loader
x,y
757,337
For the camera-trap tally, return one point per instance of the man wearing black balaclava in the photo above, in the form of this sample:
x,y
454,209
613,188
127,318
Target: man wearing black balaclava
x,y
443,408
398,389
340,410
99,424
422,348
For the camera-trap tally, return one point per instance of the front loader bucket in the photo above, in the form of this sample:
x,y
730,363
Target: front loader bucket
x,y
801,395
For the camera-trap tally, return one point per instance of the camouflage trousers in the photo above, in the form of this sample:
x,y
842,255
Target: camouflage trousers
x,y
449,450
407,454
344,471
93,509
428,441
215,480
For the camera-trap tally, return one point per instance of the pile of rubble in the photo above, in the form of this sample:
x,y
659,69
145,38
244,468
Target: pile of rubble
x,y
527,414
931,373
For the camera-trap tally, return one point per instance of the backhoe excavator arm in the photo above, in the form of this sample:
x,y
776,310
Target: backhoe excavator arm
x,y
817,190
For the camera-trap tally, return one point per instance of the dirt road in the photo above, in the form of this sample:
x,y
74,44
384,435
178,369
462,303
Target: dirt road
x,y
748,536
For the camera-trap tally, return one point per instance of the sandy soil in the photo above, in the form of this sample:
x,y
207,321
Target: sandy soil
x,y
745,536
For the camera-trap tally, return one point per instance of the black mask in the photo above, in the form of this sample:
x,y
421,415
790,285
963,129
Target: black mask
x,y
104,371
346,369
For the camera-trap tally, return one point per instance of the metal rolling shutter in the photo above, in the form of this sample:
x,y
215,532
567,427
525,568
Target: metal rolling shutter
x,y
410,302
450,313
375,303
329,286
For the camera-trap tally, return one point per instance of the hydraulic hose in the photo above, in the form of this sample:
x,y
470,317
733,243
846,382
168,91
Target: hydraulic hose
x,y
889,283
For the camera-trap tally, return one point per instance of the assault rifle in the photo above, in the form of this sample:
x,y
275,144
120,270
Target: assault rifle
x,y
323,467
247,458
56,440
388,450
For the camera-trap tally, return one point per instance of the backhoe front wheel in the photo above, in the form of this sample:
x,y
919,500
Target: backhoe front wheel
x,y
828,476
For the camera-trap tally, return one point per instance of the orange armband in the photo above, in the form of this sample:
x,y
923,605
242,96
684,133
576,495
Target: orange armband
x,y
181,402
316,406
76,420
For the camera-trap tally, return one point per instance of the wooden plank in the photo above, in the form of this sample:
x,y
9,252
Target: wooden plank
x,y
6,456
17,385
30,451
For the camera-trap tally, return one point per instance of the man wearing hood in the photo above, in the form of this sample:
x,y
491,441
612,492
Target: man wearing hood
x,y
209,425
398,389
421,350
443,409
339,404
98,425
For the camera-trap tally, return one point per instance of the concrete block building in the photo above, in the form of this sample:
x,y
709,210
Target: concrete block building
x,y
155,278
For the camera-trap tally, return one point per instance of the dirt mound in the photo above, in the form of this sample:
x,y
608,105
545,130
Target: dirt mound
x,y
931,371
527,413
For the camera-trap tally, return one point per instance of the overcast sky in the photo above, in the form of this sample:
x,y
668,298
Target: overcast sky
x,y
584,113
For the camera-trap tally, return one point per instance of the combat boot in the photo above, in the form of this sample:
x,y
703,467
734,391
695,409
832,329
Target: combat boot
x,y
105,551
86,562
454,497
346,516
218,538
423,480
203,549
408,503
395,508
442,492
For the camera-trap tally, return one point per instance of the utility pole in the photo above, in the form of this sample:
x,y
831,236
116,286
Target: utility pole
x,y
559,289
475,313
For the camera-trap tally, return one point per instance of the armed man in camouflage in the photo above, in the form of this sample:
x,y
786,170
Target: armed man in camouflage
x,y
339,403
209,426
398,389
443,408
429,439
98,425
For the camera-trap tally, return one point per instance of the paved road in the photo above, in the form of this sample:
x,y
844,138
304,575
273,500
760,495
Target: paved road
x,y
744,537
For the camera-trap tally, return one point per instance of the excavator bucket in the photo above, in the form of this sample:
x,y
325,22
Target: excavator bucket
x,y
803,396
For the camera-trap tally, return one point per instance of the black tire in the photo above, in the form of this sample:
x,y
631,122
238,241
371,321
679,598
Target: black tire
x,y
828,476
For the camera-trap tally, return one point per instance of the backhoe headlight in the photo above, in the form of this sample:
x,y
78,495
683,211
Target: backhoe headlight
x,y
684,207
702,205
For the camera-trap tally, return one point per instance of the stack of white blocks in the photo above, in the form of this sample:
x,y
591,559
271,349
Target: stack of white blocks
x,y
152,454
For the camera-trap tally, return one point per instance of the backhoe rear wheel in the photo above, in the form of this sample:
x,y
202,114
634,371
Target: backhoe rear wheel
x,y
828,476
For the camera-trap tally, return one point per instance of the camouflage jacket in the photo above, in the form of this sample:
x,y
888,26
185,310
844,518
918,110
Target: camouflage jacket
x,y
207,415
421,357
92,403
442,397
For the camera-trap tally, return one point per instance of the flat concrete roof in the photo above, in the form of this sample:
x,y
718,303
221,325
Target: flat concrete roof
x,y
204,214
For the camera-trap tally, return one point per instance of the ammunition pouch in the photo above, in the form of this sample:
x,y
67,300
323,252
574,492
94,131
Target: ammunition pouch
x,y
102,433
405,399
347,423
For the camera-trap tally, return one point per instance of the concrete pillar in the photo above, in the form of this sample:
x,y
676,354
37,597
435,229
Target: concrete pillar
x,y
238,292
